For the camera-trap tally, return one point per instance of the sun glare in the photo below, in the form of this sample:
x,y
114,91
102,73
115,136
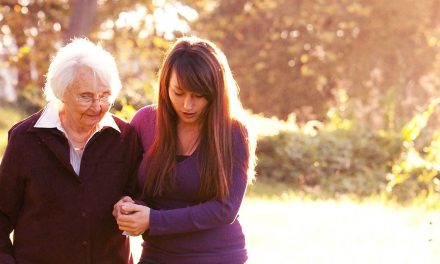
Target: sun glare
x,y
166,19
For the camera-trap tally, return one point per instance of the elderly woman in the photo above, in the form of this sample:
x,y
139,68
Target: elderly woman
x,y
66,166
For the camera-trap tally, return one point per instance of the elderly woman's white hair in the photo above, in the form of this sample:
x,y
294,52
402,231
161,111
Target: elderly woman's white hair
x,y
78,53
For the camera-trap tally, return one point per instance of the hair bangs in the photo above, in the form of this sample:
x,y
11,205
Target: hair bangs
x,y
193,75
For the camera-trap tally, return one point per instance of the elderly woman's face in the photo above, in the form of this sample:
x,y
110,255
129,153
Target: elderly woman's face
x,y
86,100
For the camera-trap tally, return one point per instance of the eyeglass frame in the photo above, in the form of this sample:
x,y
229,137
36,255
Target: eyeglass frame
x,y
87,100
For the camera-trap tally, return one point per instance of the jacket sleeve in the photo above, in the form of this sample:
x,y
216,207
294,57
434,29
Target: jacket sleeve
x,y
11,196
144,123
210,214
134,156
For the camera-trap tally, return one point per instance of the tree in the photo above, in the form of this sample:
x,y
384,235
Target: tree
x,y
81,19
293,55
287,55
34,30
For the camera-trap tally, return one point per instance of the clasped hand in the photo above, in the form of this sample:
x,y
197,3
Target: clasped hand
x,y
132,218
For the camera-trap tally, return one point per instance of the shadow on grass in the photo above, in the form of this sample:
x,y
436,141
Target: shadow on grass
x,y
266,189
272,190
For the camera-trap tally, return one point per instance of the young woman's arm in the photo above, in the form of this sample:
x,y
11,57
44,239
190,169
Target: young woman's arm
x,y
203,216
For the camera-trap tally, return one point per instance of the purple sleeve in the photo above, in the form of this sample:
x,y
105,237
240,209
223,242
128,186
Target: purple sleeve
x,y
209,214
144,122
11,193
132,187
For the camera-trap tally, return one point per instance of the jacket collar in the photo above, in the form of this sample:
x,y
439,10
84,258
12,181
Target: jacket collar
x,y
50,119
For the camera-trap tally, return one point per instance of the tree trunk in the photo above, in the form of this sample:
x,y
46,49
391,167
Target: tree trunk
x,y
435,14
81,19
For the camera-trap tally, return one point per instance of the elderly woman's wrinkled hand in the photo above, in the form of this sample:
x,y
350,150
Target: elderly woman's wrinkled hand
x,y
117,207
136,219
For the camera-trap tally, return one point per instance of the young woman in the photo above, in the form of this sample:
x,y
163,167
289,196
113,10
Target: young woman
x,y
199,158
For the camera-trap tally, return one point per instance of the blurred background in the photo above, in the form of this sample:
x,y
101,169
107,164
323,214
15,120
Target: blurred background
x,y
344,96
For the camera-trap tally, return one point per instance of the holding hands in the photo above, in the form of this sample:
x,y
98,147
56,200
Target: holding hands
x,y
131,218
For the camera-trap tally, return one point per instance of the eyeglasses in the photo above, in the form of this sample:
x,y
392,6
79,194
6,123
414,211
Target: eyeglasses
x,y
87,100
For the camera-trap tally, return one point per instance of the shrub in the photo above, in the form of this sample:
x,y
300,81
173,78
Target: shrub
x,y
417,171
337,161
344,157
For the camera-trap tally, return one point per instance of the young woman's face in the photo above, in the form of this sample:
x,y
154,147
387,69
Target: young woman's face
x,y
188,105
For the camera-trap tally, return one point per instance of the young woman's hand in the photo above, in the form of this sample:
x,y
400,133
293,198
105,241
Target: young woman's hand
x,y
136,219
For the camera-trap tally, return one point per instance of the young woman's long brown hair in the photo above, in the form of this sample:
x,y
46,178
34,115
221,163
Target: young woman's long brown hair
x,y
202,68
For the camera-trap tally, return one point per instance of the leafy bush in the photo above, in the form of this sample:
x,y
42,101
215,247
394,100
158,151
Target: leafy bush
x,y
417,171
337,161
344,157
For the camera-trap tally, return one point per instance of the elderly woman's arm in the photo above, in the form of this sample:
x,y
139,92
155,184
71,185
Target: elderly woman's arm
x,y
11,193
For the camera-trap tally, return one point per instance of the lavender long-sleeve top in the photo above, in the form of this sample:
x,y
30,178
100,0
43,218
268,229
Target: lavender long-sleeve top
x,y
183,228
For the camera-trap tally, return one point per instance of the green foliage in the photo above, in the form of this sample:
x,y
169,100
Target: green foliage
x,y
287,55
126,112
290,55
31,99
345,157
417,172
10,115
335,161
32,31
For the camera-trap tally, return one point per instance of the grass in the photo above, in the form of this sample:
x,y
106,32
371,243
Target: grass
x,y
283,228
